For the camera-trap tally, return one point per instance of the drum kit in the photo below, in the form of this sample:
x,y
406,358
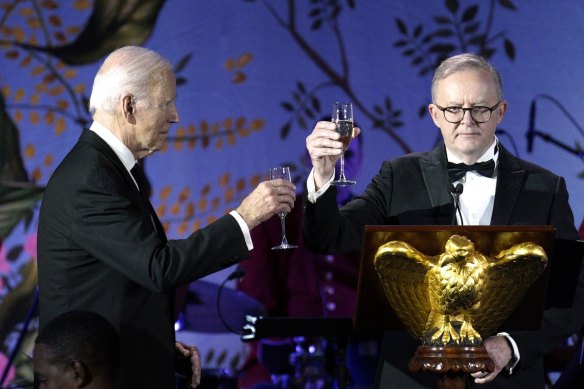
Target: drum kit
x,y
311,357
211,318
211,308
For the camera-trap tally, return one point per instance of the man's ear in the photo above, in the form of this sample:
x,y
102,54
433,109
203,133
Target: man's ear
x,y
81,373
433,110
502,109
128,107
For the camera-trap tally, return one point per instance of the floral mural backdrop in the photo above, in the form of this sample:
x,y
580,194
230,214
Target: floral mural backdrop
x,y
253,77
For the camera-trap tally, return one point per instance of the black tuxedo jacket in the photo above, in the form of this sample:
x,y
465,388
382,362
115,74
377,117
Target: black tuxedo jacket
x,y
98,250
415,190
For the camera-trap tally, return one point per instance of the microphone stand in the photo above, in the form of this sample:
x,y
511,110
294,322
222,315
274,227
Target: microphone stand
x,y
456,191
532,132
550,139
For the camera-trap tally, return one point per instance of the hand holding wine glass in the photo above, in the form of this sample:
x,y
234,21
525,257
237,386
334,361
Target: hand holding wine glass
x,y
282,172
342,116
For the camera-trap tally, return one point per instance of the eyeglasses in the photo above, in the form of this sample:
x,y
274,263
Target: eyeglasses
x,y
479,114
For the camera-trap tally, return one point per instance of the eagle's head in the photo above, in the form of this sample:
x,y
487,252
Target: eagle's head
x,y
456,249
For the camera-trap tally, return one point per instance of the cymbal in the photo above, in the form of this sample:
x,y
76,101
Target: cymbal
x,y
206,304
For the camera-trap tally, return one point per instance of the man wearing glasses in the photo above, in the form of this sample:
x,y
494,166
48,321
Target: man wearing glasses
x,y
499,189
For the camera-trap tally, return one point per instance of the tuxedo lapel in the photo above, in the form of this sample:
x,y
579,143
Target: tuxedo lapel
x,y
510,178
435,175
93,139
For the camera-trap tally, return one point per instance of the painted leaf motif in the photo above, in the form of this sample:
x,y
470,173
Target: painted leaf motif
x,y
16,203
113,24
11,165
17,195
15,305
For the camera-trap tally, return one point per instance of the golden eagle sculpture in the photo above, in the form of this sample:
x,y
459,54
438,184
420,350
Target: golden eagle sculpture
x,y
459,296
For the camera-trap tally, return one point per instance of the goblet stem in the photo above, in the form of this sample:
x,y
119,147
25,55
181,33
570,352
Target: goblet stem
x,y
342,180
284,245
342,175
283,225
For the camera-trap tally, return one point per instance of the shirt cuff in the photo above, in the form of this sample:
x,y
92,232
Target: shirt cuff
x,y
516,357
244,229
312,193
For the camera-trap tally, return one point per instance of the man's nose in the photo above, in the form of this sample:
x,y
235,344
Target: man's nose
x,y
173,114
467,118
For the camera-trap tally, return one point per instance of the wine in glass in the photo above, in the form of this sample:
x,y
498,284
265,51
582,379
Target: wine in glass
x,y
282,172
343,118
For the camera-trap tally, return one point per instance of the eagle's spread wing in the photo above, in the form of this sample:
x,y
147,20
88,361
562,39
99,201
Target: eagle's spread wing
x,y
510,274
402,270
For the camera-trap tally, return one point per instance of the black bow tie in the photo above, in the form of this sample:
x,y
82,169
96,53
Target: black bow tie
x,y
457,170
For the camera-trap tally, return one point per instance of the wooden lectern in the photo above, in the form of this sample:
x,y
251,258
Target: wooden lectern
x,y
454,363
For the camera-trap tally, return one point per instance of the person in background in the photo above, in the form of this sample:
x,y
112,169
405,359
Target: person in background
x,y
101,246
78,349
499,189
298,283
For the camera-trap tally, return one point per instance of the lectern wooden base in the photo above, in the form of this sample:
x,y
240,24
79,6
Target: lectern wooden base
x,y
453,364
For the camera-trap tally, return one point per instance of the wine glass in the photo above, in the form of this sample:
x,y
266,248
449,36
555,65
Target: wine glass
x,y
282,172
343,118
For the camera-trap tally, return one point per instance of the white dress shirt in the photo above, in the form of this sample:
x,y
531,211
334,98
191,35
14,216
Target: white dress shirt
x,y
478,195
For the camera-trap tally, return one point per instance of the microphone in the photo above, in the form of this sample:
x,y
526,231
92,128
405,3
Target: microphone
x,y
458,188
531,127
456,191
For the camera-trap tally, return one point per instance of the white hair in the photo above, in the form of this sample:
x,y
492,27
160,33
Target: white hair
x,y
130,70
462,62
